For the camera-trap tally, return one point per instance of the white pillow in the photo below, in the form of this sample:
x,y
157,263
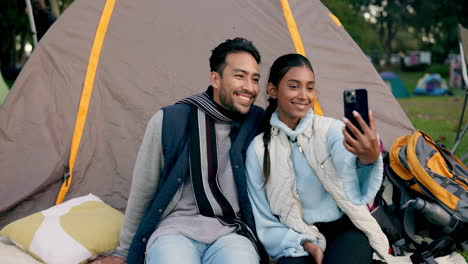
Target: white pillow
x,y
71,232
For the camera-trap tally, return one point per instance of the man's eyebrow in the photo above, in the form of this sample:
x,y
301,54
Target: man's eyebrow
x,y
245,72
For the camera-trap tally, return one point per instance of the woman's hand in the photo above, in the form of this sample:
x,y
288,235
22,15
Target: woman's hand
x,y
366,144
314,251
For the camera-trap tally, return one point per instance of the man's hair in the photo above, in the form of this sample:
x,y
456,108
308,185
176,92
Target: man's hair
x,y
219,54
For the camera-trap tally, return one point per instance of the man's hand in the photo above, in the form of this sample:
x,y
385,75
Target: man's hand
x,y
314,251
366,145
108,260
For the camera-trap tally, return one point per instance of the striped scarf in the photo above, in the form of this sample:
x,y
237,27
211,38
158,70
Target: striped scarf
x,y
211,201
202,140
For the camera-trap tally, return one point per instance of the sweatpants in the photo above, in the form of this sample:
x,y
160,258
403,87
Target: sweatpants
x,y
345,244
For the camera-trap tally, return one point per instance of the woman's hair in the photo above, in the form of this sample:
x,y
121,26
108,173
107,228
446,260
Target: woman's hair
x,y
277,71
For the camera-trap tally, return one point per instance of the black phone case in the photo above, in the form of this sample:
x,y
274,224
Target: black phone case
x,y
356,100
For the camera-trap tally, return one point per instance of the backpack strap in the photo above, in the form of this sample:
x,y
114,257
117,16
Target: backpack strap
x,y
427,252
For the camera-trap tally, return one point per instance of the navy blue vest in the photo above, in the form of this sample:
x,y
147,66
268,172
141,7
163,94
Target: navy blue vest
x,y
176,168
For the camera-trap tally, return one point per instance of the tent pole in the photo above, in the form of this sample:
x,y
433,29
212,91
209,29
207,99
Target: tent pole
x,y
31,21
459,136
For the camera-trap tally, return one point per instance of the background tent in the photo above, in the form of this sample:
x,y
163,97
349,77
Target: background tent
x,y
431,84
3,89
153,53
394,82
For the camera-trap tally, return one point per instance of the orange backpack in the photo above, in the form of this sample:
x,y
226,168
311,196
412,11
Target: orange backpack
x,y
432,171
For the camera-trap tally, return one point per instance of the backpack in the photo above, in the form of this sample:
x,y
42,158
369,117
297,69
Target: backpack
x,y
427,210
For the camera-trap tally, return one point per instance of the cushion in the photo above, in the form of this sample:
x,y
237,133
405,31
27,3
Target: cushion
x,y
11,254
72,232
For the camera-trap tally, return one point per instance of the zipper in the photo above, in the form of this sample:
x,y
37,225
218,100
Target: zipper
x,y
293,186
299,146
321,163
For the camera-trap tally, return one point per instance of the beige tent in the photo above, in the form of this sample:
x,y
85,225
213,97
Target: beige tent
x,y
132,58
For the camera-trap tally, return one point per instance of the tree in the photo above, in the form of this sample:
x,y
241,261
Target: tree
x,y
14,27
437,22
358,28
16,30
389,17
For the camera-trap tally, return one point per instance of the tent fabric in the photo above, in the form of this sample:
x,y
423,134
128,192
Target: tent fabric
x,y
464,40
463,32
154,53
395,84
86,95
431,84
3,89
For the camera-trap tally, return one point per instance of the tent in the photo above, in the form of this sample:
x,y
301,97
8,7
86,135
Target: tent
x,y
394,82
431,84
3,89
129,59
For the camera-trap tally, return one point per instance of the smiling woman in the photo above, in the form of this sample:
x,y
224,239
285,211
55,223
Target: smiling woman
x,y
295,93
309,181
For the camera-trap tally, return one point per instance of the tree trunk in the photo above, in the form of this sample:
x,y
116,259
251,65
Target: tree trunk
x,y
388,43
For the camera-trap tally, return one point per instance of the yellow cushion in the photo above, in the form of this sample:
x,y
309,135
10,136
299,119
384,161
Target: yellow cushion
x,y
72,232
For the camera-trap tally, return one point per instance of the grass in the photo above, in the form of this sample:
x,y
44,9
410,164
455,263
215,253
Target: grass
x,y
464,254
438,116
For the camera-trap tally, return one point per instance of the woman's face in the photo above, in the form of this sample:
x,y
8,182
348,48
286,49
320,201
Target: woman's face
x,y
295,93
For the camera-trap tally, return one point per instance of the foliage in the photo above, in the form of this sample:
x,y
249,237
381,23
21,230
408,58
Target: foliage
x,y
360,30
388,17
14,27
16,31
436,22
405,25
442,69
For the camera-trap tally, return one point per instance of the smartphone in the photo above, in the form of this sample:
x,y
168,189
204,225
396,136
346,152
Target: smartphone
x,y
355,100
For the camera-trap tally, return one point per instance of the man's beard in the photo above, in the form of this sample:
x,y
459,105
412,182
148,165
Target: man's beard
x,y
227,101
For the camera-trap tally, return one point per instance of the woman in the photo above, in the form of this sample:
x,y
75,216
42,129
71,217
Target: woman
x,y
309,180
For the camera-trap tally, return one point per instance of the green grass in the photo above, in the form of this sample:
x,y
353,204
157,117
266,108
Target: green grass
x,y
438,116
464,254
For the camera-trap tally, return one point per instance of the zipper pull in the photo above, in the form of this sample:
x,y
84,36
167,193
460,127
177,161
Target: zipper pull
x,y
300,149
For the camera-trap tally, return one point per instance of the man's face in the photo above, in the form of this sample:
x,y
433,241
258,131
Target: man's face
x,y
237,89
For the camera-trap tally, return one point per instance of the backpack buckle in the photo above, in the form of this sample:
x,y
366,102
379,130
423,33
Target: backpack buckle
x,y
425,257
398,246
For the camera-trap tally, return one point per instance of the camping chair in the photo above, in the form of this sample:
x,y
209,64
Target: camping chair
x,y
463,50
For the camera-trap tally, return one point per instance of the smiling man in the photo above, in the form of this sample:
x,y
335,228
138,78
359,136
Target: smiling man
x,y
188,201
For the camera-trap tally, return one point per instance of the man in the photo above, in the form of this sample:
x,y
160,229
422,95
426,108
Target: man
x,y
188,201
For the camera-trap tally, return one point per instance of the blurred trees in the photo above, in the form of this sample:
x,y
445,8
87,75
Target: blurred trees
x,y
404,25
436,24
389,17
353,21
15,30
380,27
